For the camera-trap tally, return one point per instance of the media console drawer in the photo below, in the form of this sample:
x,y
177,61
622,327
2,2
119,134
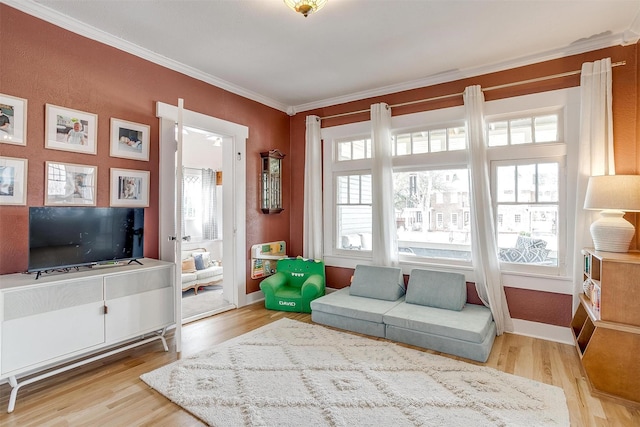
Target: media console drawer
x,y
50,297
28,342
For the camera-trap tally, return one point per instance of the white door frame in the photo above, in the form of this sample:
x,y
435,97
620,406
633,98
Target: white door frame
x,y
234,141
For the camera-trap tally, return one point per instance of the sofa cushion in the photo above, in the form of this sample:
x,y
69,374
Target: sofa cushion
x,y
524,242
472,323
208,273
437,289
523,255
206,259
385,283
351,241
188,277
188,265
342,303
478,351
199,262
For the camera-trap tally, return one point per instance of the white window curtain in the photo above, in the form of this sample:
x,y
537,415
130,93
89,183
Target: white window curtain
x,y
209,205
312,223
595,155
483,242
202,186
384,241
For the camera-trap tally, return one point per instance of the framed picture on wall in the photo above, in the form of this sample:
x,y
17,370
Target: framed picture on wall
x,y
70,130
13,181
129,188
13,120
70,185
129,140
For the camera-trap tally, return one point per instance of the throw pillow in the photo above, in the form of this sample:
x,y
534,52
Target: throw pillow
x,y
523,255
206,259
438,289
197,258
188,265
385,283
524,242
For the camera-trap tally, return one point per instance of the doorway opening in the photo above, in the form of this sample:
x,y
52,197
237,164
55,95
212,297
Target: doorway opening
x,y
202,225
234,138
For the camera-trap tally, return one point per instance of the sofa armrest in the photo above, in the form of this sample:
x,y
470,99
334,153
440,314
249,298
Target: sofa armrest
x,y
271,284
313,286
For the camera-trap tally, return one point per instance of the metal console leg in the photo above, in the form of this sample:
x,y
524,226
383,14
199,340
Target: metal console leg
x,y
14,393
13,382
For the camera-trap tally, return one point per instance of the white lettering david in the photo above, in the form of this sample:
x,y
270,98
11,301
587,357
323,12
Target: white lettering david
x,y
288,303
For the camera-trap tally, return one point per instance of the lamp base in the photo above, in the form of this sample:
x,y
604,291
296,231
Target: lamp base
x,y
611,232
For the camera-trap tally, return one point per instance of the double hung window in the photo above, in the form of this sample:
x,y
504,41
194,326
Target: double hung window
x,y
527,156
354,211
431,194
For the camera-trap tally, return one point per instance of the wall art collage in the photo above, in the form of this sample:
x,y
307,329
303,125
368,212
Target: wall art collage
x,y
68,184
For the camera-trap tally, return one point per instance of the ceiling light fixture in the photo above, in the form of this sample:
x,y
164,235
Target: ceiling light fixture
x,y
305,7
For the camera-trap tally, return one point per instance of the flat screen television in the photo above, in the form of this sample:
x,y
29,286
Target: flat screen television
x,y
64,237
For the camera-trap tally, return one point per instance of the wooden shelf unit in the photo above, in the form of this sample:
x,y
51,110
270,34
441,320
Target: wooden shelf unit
x,y
608,339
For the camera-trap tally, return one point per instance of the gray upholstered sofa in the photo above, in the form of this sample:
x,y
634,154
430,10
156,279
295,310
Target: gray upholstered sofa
x,y
431,312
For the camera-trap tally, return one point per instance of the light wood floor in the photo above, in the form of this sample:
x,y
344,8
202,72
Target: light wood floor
x,y
110,393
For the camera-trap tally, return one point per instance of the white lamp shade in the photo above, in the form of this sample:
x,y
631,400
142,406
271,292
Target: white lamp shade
x,y
613,192
613,195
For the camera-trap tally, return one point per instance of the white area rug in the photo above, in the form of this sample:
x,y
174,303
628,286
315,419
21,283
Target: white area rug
x,y
290,373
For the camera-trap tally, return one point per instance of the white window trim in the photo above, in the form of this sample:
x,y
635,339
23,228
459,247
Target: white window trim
x,y
563,245
566,99
333,256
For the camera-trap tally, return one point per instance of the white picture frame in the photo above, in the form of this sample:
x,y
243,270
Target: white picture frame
x,y
13,181
129,140
68,184
70,130
13,129
129,188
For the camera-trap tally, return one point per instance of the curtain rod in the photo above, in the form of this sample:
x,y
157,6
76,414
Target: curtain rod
x,y
506,85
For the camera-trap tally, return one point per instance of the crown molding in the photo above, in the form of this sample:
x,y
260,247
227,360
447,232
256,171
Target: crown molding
x,y
630,36
80,28
578,47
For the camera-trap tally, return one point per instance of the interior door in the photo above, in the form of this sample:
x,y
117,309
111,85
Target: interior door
x,y
170,245
234,138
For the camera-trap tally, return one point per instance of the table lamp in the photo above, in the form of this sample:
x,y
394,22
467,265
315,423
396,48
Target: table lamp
x,y
613,195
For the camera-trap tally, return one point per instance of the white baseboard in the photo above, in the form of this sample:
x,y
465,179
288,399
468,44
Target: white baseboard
x,y
543,331
254,297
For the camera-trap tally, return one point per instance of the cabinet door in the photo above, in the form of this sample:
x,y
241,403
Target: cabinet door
x,y
50,323
138,303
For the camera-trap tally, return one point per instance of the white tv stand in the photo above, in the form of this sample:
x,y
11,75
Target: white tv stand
x,y
62,321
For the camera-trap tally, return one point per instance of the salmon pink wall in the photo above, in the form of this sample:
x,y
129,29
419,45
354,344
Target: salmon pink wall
x,y
46,64
524,304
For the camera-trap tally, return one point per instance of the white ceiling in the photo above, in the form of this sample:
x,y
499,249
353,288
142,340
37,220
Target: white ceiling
x,y
350,49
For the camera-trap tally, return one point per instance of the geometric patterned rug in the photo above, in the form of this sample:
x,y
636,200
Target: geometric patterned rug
x,y
290,373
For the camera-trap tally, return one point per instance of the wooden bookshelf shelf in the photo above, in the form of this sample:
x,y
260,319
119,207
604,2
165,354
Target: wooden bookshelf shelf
x,y
608,338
